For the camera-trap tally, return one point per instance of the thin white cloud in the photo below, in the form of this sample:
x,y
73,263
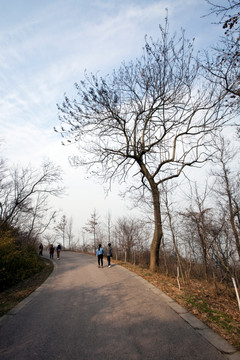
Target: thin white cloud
x,y
43,56
48,49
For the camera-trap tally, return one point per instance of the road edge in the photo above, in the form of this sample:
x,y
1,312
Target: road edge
x,y
228,350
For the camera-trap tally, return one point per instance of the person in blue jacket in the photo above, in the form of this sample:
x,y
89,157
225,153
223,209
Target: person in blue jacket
x,y
100,252
59,248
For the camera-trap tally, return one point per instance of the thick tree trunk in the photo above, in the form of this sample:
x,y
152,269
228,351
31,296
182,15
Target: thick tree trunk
x,y
158,232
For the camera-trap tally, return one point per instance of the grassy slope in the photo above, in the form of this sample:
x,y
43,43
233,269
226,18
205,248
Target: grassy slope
x,y
11,297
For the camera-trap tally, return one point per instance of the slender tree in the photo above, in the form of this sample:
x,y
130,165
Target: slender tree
x,y
146,122
170,218
69,232
92,227
227,185
61,229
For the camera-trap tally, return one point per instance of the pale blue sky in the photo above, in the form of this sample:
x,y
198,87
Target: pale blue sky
x,y
46,45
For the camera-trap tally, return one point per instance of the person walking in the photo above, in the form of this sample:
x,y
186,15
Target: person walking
x,y
109,254
41,249
51,251
59,248
100,252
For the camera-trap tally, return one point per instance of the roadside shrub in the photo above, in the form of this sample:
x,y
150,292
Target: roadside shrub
x,y
18,260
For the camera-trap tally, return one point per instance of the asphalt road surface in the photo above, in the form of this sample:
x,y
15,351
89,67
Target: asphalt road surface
x,y
83,312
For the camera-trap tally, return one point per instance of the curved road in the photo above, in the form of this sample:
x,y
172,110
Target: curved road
x,y
82,312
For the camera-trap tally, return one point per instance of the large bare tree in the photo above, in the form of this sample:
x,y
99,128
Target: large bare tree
x,y
24,195
146,121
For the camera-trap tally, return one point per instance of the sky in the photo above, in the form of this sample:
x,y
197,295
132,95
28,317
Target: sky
x,y
45,47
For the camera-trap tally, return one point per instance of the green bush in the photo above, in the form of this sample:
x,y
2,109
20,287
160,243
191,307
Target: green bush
x,y
18,260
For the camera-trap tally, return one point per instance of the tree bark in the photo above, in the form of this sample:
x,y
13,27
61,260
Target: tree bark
x,y
158,232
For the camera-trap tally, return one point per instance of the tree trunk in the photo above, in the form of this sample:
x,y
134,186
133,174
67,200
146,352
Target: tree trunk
x,y
231,211
158,232
174,237
164,256
204,250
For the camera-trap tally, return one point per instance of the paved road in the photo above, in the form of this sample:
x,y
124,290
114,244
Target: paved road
x,y
83,312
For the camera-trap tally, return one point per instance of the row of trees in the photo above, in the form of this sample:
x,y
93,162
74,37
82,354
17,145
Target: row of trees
x,y
154,117
201,227
24,197
145,125
205,235
25,215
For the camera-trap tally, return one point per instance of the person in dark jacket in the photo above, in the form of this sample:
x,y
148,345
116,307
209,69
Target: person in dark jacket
x,y
109,254
51,251
40,249
100,252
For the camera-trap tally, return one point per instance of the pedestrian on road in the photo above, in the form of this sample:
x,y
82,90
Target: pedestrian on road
x,y
40,249
109,254
100,252
51,251
59,248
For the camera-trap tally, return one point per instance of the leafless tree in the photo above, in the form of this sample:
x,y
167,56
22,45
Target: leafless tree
x,y
39,217
131,236
92,228
109,227
197,215
69,232
227,185
207,235
61,229
148,121
222,63
24,194
170,224
5,184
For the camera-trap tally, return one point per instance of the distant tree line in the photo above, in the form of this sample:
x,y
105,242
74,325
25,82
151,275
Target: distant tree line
x,y
201,227
147,125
